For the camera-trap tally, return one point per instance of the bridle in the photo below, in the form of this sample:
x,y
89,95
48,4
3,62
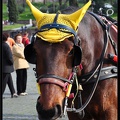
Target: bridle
x,y
65,83
60,80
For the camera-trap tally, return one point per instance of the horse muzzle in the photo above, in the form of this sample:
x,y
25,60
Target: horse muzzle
x,y
53,108
50,114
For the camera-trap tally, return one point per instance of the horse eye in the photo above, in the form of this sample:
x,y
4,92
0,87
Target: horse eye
x,y
71,52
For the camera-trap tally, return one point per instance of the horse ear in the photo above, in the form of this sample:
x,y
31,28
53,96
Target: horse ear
x,y
29,53
77,16
37,13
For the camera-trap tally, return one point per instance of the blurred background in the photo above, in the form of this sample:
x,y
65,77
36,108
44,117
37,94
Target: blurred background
x,y
17,17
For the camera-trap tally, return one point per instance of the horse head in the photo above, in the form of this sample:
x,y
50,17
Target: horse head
x,y
62,44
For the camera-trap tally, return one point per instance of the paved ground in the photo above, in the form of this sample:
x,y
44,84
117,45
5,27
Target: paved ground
x,y
23,107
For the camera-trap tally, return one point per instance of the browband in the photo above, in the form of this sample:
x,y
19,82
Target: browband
x,y
60,27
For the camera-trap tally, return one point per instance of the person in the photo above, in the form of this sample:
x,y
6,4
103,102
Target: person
x,y
7,68
10,41
25,39
20,65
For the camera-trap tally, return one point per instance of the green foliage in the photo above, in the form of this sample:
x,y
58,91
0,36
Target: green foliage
x,y
5,12
27,14
20,9
49,9
13,11
10,27
43,9
73,3
115,7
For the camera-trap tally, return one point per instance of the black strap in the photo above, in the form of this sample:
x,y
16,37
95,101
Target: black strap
x,y
107,72
55,19
59,27
105,26
98,19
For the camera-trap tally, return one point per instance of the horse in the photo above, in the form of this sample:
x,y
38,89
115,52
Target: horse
x,y
76,65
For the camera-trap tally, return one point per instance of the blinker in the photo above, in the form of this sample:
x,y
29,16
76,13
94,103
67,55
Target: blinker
x,y
29,53
77,55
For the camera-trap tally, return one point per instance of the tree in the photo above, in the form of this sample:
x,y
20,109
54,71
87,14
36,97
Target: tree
x,y
24,4
73,3
44,2
13,11
60,2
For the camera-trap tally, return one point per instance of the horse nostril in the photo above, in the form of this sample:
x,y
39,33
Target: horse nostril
x,y
58,112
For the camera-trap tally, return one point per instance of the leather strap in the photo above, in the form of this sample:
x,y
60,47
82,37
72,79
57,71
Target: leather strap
x,y
107,72
53,76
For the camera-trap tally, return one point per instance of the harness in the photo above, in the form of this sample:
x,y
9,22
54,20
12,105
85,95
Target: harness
x,y
93,76
99,73
106,72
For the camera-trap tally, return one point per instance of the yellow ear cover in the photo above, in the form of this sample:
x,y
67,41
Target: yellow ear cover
x,y
36,13
77,16
54,35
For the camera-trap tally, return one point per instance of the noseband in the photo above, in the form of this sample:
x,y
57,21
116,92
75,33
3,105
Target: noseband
x,y
62,82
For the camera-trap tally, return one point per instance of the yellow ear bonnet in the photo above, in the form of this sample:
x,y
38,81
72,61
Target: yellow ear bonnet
x,y
54,35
